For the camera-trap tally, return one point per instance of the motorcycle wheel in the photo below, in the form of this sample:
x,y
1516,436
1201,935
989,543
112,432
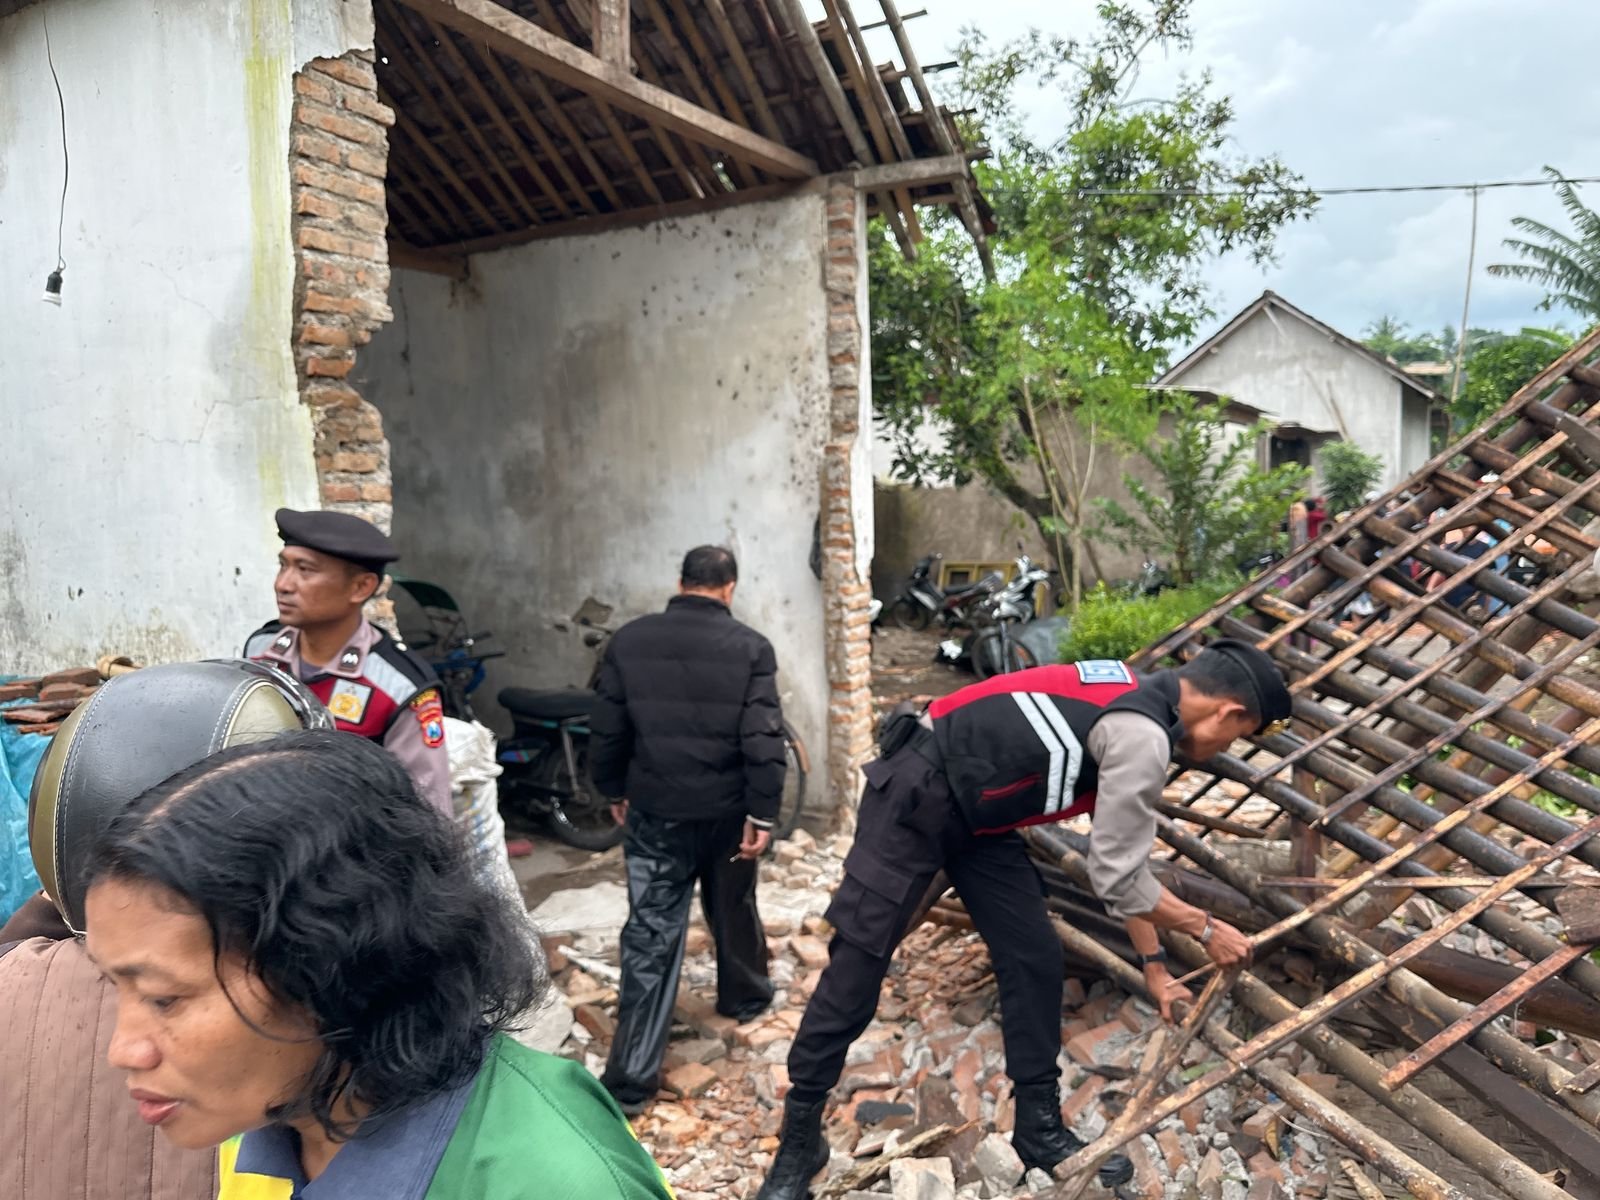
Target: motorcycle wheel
x,y
793,801
990,658
582,816
906,613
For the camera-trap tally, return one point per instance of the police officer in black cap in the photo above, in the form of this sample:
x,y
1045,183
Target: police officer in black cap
x,y
330,566
949,793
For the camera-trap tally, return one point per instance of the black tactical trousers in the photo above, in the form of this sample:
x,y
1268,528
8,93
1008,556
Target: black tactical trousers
x,y
908,830
665,859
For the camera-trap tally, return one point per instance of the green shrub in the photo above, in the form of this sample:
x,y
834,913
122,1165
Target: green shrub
x,y
1108,625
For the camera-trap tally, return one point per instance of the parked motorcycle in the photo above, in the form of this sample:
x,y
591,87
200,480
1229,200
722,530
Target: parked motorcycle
x,y
545,761
995,647
923,600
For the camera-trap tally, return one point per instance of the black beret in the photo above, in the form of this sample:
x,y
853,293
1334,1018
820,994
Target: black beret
x,y
1272,694
339,534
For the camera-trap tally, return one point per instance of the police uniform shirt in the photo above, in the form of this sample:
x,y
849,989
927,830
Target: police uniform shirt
x,y
377,690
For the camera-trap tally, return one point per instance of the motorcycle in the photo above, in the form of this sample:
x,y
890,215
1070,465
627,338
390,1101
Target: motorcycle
x,y
995,648
922,600
546,762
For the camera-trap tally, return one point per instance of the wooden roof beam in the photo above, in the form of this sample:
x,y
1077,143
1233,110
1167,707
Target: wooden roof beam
x,y
509,34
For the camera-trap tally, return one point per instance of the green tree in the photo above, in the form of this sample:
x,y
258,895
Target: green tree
x,y
1349,473
1497,367
1566,265
1104,234
1212,507
1392,338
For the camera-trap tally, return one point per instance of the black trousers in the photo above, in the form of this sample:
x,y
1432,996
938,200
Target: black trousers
x,y
907,830
665,859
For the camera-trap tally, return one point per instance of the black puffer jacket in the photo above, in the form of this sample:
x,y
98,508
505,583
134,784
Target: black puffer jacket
x,y
687,725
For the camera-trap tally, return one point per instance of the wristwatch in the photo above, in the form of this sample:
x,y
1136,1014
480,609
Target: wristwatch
x,y
1205,934
1160,956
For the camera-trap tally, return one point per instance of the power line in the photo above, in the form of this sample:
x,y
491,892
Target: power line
x,y
1367,190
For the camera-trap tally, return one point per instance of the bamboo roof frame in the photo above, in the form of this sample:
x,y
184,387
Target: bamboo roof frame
x,y
1422,732
527,119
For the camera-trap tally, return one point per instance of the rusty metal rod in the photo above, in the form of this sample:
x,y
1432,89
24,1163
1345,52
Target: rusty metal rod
x,y
1463,1026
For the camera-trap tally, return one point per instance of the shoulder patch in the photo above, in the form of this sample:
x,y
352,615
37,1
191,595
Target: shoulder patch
x,y
428,709
1103,670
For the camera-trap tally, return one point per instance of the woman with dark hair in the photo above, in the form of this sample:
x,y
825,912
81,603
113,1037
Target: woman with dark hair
x,y
309,975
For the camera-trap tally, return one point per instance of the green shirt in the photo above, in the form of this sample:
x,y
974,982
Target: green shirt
x,y
534,1127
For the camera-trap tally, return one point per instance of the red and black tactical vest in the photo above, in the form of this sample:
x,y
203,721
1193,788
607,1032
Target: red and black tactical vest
x,y
1014,746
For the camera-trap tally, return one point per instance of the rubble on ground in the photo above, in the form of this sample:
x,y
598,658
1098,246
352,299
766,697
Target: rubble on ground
x,y
933,1057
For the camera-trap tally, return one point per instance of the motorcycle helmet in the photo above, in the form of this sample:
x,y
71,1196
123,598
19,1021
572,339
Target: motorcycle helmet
x,y
137,730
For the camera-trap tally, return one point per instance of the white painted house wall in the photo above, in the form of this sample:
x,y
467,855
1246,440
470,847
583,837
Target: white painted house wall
x,y
1295,373
584,410
150,425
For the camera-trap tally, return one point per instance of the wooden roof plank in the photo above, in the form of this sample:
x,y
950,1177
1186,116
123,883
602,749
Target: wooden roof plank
x,y
609,84
741,63
410,68
563,122
447,172
496,113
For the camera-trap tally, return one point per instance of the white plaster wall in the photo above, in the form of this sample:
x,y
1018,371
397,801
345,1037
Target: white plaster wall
x,y
150,425
584,410
1286,368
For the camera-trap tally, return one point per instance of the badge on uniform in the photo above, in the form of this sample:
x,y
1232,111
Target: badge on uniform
x,y
1103,670
350,660
284,641
429,711
349,700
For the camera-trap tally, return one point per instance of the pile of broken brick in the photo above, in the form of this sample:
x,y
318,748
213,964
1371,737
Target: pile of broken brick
x,y
924,1109
49,698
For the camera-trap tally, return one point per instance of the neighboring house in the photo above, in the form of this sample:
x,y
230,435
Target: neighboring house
x,y
561,300
1313,384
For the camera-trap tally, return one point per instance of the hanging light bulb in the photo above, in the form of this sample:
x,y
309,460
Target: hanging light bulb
x,y
52,288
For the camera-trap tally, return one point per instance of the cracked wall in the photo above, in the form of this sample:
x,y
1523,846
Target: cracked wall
x,y
151,424
581,411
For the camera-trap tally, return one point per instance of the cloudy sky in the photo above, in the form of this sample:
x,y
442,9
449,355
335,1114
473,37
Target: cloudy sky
x,y
1364,92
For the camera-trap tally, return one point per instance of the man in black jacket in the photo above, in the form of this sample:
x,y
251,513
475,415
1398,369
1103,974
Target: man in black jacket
x,y
687,727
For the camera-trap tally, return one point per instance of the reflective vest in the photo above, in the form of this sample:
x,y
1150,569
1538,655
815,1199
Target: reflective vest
x,y
1014,746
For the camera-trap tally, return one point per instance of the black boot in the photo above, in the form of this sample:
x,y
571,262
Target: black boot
x,y
802,1152
1042,1140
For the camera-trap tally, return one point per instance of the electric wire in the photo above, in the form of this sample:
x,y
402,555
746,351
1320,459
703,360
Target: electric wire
x,y
66,161
1360,190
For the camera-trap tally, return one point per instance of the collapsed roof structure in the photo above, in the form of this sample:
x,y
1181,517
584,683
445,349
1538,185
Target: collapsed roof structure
x,y
1442,765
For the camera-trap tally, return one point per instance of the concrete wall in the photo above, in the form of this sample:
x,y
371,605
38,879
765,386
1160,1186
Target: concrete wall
x,y
1281,365
150,425
975,524
582,411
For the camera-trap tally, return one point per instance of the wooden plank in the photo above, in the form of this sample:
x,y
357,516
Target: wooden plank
x,y
695,81
411,258
627,219
447,172
575,139
620,139
414,68
1468,1024
498,116
741,63
522,40
610,35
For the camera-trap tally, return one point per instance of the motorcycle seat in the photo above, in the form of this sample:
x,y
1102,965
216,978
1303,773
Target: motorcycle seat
x,y
554,705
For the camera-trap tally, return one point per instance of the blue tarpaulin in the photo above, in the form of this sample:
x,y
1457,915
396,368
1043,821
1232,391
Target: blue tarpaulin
x,y
19,759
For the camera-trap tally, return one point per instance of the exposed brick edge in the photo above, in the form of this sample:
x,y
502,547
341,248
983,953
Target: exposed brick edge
x,y
846,596
338,159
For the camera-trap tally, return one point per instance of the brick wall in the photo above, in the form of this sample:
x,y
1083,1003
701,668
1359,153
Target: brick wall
x,y
846,594
338,157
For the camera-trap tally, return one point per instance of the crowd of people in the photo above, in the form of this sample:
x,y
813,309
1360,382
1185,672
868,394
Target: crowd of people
x,y
264,967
